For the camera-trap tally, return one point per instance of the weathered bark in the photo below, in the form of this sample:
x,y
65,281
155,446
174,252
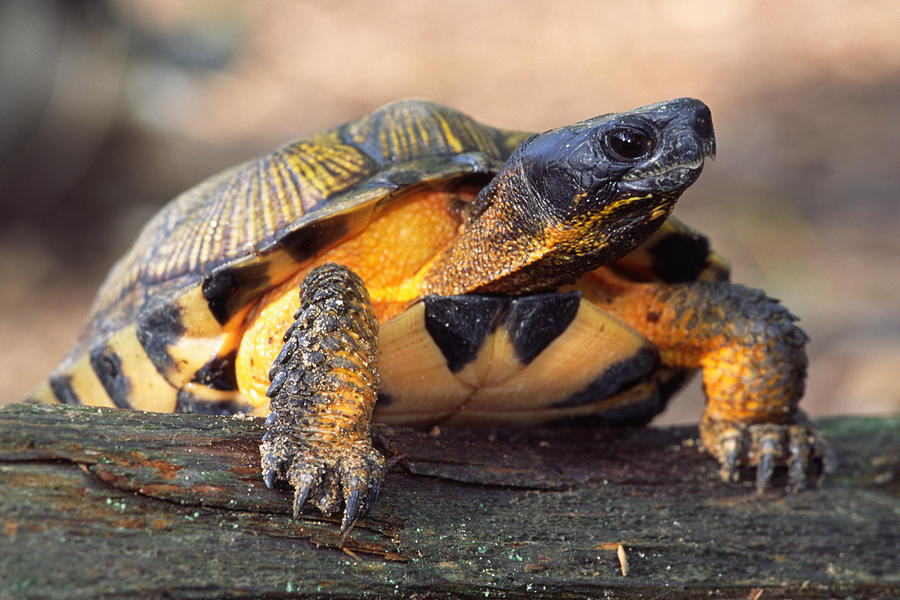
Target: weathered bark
x,y
104,503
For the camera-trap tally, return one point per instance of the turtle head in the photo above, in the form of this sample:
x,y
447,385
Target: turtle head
x,y
617,170
573,199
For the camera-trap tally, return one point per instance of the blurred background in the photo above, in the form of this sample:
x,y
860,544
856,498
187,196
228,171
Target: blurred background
x,y
109,109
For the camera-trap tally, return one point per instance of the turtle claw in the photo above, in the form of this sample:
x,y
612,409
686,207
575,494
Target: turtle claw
x,y
731,451
351,512
300,496
325,473
373,495
769,452
269,477
799,446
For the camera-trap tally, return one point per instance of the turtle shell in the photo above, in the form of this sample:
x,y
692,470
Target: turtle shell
x,y
181,291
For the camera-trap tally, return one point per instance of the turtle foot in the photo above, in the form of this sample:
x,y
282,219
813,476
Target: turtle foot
x,y
799,445
324,472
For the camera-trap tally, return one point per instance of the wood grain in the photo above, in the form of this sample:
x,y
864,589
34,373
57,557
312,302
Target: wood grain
x,y
113,504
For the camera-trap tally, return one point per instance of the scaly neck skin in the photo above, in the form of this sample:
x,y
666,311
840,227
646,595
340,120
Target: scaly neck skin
x,y
514,243
495,241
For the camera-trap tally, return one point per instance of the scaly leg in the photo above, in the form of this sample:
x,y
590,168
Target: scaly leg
x,y
753,359
323,390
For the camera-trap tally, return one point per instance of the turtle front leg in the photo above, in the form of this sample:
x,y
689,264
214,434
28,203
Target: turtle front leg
x,y
753,359
323,390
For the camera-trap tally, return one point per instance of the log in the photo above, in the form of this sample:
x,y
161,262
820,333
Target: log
x,y
102,503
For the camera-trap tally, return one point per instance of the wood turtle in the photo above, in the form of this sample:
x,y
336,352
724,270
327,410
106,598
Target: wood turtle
x,y
448,272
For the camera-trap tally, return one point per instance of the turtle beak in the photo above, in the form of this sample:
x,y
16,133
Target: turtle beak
x,y
709,149
703,129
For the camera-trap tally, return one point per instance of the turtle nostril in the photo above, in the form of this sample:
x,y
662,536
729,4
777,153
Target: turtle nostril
x,y
703,124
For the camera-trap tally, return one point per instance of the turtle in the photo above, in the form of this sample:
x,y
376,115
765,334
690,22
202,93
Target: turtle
x,y
417,267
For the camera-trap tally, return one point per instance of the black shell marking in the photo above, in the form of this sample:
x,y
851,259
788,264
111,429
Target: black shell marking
x,y
535,320
62,389
156,330
225,289
218,373
616,378
188,403
460,324
108,367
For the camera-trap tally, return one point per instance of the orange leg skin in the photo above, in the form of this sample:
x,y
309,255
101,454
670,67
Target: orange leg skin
x,y
323,391
753,360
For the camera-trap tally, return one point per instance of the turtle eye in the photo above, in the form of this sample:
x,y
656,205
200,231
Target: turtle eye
x,y
628,144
